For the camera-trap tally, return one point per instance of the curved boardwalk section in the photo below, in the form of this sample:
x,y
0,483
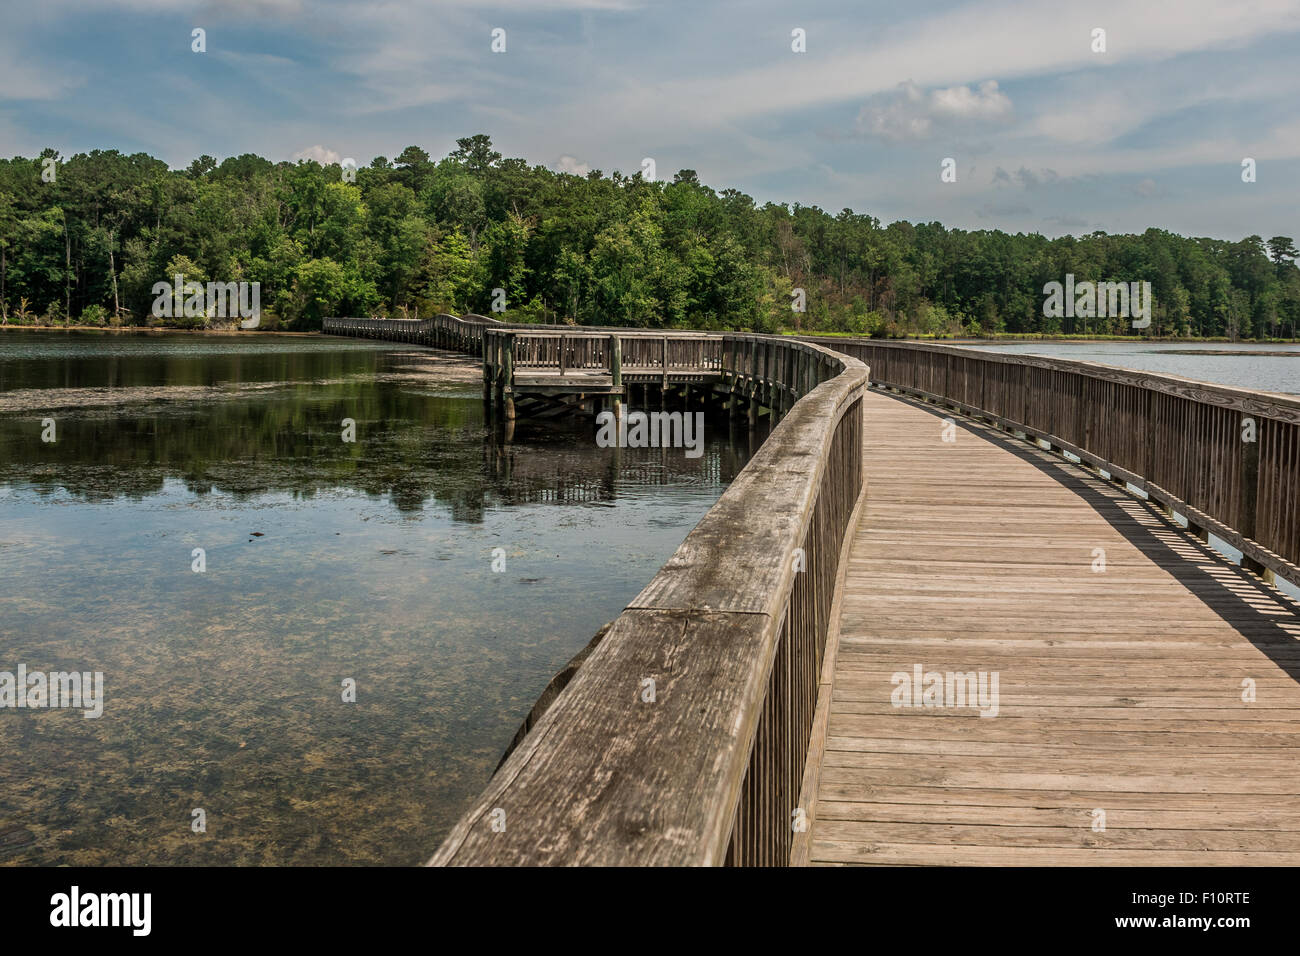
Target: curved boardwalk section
x,y
999,654
681,740
1116,733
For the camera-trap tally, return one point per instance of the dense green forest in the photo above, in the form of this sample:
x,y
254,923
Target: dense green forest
x,y
414,236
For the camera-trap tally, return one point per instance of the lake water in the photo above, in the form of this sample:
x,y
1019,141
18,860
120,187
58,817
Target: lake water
x,y
325,561
1266,368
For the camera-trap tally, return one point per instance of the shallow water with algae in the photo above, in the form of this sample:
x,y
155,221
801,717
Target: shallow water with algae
x,y
324,560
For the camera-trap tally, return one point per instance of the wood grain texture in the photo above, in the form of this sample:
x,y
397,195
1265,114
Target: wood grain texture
x,y
731,634
1119,690
606,778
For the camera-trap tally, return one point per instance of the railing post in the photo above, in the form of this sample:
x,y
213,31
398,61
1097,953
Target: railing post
x,y
729,375
767,377
508,375
1249,470
616,372
498,364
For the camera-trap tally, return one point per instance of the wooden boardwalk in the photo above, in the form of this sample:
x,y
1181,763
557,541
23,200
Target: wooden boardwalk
x,y
1120,691
1147,690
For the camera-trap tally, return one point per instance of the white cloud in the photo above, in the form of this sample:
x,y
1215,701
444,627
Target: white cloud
x,y
961,102
25,78
1100,117
317,153
570,164
910,113
1022,37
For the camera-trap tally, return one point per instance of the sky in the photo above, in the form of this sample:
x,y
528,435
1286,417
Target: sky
x,y
1046,132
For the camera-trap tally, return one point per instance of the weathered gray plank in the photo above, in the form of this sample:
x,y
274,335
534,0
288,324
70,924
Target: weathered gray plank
x,y
1119,691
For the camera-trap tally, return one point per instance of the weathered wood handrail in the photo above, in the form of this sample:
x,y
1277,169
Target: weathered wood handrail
x,y
588,350
463,333
1227,459
682,738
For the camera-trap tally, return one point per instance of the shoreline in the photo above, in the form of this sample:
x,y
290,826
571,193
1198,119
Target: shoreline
x,y
143,330
1062,338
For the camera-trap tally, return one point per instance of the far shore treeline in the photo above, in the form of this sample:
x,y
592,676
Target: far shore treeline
x,y
411,237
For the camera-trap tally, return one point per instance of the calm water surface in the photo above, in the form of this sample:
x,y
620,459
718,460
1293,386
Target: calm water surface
x,y
1267,368
325,561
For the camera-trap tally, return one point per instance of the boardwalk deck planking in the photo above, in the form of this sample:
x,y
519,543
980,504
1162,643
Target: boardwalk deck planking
x,y
1119,690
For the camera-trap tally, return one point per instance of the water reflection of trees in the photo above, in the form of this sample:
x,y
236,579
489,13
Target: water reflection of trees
x,y
580,472
154,362
410,448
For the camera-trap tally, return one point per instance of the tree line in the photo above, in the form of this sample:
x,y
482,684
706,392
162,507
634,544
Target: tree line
x,y
84,241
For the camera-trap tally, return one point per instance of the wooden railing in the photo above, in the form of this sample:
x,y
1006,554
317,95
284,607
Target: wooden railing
x,y
584,349
682,738
1227,459
463,334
